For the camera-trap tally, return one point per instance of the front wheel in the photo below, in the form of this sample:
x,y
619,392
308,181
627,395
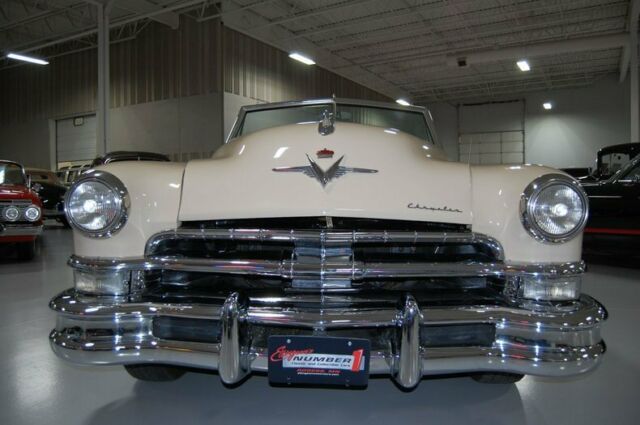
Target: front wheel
x,y
154,373
26,250
497,378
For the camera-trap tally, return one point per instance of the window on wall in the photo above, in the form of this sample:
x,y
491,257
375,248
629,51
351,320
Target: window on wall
x,y
491,133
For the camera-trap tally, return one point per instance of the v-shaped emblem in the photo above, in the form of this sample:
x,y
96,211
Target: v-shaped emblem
x,y
324,176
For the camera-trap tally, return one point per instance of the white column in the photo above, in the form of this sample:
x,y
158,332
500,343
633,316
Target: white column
x,y
102,108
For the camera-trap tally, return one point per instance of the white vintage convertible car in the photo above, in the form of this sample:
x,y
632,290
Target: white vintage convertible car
x,y
327,241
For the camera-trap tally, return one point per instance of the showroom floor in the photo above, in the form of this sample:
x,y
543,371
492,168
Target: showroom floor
x,y
38,388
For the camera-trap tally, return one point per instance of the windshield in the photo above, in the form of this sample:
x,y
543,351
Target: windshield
x,y
627,171
11,174
613,162
410,122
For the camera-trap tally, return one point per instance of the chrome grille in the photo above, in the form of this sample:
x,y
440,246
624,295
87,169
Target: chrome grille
x,y
326,257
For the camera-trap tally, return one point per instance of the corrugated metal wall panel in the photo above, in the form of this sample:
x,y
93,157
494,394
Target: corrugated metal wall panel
x,y
253,69
162,63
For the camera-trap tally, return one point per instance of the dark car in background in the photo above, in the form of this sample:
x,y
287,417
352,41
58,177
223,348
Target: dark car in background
x,y
610,160
20,211
67,174
51,191
577,172
613,227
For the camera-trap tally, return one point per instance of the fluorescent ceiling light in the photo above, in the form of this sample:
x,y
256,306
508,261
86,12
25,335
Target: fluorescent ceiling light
x,y
301,58
547,105
27,59
523,65
403,102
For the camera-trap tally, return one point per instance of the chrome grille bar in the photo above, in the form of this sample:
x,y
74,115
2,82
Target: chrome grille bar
x,y
357,271
327,237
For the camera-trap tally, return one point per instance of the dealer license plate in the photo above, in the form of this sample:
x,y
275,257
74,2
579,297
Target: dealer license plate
x,y
315,360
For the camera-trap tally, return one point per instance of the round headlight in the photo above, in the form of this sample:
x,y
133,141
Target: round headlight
x,y
32,213
97,204
11,214
554,208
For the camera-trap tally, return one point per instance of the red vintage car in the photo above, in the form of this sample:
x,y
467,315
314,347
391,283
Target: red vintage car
x,y
20,210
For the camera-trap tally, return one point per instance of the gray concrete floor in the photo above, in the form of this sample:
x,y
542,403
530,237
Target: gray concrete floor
x,y
38,388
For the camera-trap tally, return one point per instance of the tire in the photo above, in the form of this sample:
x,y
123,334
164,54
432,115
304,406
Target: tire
x,y
26,250
497,378
154,373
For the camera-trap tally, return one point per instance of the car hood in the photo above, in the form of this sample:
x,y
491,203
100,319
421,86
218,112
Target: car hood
x,y
387,174
12,191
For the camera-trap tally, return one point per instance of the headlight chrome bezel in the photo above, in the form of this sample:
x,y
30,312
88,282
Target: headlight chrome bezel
x,y
33,207
527,203
114,184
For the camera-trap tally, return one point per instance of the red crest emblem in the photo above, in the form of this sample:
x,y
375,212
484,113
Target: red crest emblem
x,y
325,153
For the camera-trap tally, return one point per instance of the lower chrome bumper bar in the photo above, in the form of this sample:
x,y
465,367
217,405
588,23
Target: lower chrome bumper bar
x,y
53,213
558,342
17,230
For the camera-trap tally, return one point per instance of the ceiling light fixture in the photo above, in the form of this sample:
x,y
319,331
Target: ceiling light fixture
x,y
301,58
523,65
403,102
547,105
29,59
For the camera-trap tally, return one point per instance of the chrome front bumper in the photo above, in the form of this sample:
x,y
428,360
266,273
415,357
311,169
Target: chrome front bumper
x,y
551,342
19,230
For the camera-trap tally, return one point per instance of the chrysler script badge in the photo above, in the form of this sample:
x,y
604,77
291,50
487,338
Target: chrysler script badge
x,y
313,170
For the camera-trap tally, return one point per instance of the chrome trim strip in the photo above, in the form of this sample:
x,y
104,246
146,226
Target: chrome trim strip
x,y
327,237
15,230
322,101
356,270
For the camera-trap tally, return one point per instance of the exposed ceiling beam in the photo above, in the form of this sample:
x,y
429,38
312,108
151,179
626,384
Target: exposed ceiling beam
x,y
119,23
312,12
170,19
541,49
38,16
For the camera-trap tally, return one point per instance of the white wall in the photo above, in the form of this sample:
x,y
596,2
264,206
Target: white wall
x,y
184,128
582,121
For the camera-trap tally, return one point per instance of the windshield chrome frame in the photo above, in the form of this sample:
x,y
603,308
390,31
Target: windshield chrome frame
x,y
336,101
24,173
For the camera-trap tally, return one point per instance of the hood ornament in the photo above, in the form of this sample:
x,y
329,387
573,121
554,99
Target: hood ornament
x,y
313,170
326,124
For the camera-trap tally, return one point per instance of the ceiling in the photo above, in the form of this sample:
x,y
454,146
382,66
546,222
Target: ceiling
x,y
408,48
